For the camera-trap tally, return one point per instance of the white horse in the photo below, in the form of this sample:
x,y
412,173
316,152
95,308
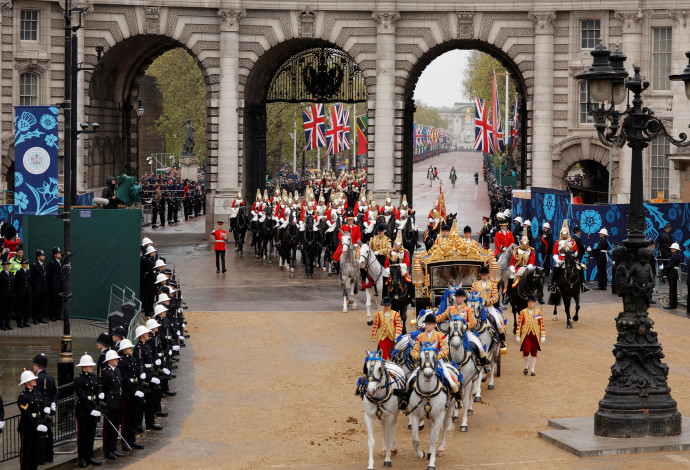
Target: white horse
x,y
469,368
484,330
403,358
349,272
368,261
383,387
430,399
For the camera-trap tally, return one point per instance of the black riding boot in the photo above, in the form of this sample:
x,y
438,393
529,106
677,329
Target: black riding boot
x,y
554,280
502,338
405,398
582,280
484,361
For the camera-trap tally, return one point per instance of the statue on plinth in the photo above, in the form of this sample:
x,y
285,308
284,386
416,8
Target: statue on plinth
x,y
188,149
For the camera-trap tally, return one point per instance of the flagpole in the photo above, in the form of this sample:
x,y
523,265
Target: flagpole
x,y
318,158
354,139
507,124
294,149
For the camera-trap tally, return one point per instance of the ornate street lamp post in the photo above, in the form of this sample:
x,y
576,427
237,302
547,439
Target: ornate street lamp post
x,y
638,399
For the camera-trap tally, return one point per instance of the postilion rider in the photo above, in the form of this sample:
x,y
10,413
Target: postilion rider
x,y
488,291
387,326
465,312
530,333
438,341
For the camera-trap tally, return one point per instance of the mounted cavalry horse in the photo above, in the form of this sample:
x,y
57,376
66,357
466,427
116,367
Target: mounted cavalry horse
x,y
289,239
532,282
400,292
238,224
569,284
311,246
381,389
349,273
488,335
263,235
368,262
459,352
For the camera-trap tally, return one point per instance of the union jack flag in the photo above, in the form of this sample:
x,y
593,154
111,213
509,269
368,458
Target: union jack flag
x,y
345,136
482,127
429,135
335,131
497,137
418,135
314,126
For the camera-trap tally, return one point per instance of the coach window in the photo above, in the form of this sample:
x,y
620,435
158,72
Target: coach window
x,y
28,89
29,25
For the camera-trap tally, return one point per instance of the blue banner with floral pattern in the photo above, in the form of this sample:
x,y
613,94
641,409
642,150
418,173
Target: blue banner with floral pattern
x,y
36,160
553,206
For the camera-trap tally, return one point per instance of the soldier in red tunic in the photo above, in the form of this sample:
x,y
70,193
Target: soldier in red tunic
x,y
530,333
563,245
504,238
220,236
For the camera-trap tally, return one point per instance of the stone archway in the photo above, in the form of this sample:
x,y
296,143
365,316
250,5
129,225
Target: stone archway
x,y
507,59
256,87
576,149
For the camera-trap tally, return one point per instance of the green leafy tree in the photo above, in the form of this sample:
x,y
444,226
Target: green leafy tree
x,y
479,80
182,87
429,116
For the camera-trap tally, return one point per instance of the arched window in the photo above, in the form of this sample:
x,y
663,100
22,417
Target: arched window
x,y
28,89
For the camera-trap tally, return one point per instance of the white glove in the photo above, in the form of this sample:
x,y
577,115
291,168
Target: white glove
x,y
53,406
143,375
176,348
661,267
41,428
530,266
517,338
101,396
179,310
184,325
139,394
170,352
512,269
95,413
2,424
155,381
376,253
166,371
158,362
46,410
315,228
181,338
555,258
589,248
543,339
178,332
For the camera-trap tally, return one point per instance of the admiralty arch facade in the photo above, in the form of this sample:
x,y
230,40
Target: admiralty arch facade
x,y
238,45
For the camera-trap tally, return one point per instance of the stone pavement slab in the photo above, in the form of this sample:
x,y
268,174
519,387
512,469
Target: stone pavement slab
x,y
576,435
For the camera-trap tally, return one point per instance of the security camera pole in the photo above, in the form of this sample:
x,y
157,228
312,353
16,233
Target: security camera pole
x,y
69,105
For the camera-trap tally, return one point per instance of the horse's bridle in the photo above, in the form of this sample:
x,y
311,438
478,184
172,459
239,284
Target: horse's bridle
x,y
368,262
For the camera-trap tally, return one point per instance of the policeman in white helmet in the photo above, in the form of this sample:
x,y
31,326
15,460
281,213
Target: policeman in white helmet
x,y
145,356
111,397
87,411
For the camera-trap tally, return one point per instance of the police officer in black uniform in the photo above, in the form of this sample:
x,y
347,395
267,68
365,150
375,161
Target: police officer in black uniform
x,y
45,385
86,388
671,273
110,398
39,288
22,282
31,423
55,278
7,293
103,343
152,391
601,253
577,231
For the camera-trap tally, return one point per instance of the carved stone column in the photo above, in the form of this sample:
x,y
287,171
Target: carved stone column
x,y
632,48
228,120
542,107
384,129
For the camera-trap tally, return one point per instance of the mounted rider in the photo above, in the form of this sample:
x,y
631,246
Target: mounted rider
x,y
388,209
488,291
308,211
402,218
236,204
361,206
522,260
404,206
466,312
321,207
485,233
399,256
283,218
563,245
503,239
351,229
581,254
258,206
380,244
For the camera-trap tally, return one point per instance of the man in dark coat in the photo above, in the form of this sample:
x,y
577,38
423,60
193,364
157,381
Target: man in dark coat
x,y
109,193
546,247
580,255
601,254
45,385
7,293
54,275
39,288
22,281
665,240
671,273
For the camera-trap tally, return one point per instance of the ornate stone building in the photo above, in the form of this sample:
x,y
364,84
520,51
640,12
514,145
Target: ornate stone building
x,y
460,119
239,43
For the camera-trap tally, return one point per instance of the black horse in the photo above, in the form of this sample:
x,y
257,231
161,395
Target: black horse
x,y
569,286
530,283
410,237
390,225
330,243
264,235
311,246
289,239
238,225
400,293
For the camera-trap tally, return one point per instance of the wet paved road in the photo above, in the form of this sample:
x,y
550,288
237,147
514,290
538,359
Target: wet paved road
x,y
470,201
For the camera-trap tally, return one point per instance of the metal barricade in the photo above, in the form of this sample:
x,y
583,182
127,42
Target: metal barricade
x,y
64,425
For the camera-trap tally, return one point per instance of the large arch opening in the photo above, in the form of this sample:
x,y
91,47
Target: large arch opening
x,y
410,106
114,92
282,84
589,180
